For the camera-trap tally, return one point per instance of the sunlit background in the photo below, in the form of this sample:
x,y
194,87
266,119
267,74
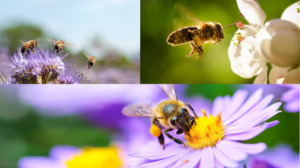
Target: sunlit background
x,y
162,63
106,29
35,119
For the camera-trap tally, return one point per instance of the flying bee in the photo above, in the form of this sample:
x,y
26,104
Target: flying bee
x,y
91,61
30,45
206,32
59,45
168,114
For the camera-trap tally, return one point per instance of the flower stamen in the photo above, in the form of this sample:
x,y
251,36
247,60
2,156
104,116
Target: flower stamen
x,y
207,132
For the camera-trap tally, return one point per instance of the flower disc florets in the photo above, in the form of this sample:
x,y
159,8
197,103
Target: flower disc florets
x,y
41,67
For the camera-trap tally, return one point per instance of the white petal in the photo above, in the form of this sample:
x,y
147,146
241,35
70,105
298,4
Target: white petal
x,y
245,60
261,78
279,75
291,14
252,12
279,43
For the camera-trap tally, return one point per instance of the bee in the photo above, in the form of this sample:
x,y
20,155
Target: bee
x,y
168,114
206,32
59,45
30,45
91,61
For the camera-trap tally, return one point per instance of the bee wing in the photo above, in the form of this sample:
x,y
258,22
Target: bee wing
x,y
86,55
69,44
51,40
169,90
23,42
144,109
187,15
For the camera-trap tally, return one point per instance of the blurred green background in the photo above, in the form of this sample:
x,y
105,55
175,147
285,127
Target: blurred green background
x,y
23,132
162,63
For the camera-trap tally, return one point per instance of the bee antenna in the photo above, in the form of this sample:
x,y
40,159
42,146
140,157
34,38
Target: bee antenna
x,y
229,25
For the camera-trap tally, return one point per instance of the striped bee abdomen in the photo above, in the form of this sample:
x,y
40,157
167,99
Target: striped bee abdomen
x,y
181,36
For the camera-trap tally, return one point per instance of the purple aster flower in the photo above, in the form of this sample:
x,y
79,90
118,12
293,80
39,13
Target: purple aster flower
x,y
281,156
214,139
72,157
42,67
291,99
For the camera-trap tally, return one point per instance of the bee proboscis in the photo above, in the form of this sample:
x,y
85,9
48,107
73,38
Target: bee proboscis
x,y
168,114
59,45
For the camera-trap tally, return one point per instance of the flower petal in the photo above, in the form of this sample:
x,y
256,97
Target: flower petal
x,y
254,99
154,151
262,78
38,162
252,12
230,151
249,148
208,160
64,152
245,60
252,133
269,43
291,14
279,75
236,101
190,160
223,158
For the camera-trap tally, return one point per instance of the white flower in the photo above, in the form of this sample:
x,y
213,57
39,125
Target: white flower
x,y
276,42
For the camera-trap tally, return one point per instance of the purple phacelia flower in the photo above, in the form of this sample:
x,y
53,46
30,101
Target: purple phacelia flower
x,y
42,67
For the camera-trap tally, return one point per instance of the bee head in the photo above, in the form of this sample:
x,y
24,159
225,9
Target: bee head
x,y
181,119
219,30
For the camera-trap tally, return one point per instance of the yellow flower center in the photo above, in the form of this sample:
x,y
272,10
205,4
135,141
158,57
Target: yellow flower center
x,y
91,157
206,132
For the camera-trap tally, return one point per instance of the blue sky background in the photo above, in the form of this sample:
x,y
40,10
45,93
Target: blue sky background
x,y
115,22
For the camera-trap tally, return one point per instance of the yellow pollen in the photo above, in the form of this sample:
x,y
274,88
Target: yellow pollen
x,y
207,131
91,157
155,130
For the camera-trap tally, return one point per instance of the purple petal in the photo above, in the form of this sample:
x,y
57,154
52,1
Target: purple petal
x,y
154,151
63,152
208,160
254,98
251,133
290,95
259,114
249,148
166,162
292,106
218,164
190,160
39,162
236,101
219,103
224,159
230,151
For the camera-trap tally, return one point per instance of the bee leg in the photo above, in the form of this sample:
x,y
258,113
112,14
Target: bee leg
x,y
193,50
172,138
179,131
161,137
161,141
200,51
187,104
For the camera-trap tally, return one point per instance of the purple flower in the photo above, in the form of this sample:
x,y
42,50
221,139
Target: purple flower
x,y
42,67
281,156
72,157
291,99
214,139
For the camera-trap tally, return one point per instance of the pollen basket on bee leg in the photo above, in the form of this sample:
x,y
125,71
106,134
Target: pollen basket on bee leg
x,y
155,130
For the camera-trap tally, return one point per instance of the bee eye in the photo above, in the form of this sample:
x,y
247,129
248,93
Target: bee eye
x,y
91,64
